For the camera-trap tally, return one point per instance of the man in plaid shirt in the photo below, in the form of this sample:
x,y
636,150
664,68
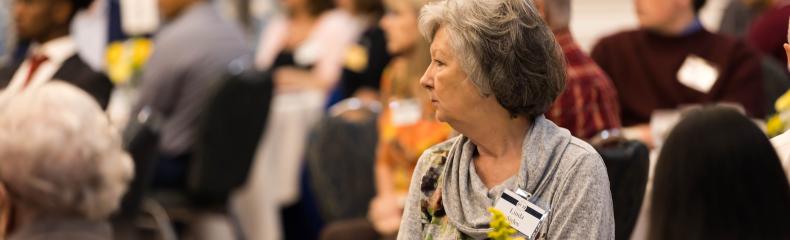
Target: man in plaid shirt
x,y
589,104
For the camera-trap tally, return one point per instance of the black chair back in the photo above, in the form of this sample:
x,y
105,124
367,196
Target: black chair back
x,y
141,140
230,129
340,161
628,164
775,82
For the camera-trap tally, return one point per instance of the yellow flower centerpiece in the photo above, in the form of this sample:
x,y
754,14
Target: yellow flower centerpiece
x,y
778,123
125,59
500,226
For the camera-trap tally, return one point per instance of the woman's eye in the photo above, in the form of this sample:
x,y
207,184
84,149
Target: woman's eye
x,y
438,62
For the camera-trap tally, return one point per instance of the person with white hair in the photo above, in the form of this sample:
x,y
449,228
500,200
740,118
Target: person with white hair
x,y
495,70
61,163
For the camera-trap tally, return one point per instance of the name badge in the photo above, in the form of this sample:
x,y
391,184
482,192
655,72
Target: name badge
x,y
405,111
698,74
522,214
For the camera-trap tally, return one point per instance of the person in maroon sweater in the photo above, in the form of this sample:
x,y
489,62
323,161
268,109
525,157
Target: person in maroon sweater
x,y
671,61
589,103
769,30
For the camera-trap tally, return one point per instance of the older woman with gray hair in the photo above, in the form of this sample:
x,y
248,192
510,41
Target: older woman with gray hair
x,y
495,70
62,164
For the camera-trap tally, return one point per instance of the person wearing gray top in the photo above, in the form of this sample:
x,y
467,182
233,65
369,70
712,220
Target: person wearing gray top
x,y
495,69
190,54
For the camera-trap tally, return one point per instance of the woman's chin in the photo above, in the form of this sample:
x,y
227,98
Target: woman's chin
x,y
441,117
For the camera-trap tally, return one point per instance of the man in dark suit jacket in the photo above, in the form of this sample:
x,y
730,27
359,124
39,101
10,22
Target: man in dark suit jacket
x,y
53,55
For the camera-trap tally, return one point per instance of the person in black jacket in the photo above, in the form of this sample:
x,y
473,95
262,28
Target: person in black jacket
x,y
53,53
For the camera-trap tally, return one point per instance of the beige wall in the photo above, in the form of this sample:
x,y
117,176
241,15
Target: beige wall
x,y
593,19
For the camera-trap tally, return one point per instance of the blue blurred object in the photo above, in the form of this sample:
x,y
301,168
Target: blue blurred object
x,y
302,219
115,31
20,50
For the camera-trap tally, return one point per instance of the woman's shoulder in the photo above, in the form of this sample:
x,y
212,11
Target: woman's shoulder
x,y
580,147
435,155
442,147
571,148
581,156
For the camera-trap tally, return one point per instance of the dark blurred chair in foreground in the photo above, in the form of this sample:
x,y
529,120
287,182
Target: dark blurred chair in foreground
x,y
230,128
340,158
337,181
628,164
228,137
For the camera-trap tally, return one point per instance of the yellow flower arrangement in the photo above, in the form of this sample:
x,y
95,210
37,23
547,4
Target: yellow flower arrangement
x,y
778,123
356,58
501,229
774,126
125,59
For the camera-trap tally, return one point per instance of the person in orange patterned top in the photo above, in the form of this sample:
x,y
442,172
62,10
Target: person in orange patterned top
x,y
407,125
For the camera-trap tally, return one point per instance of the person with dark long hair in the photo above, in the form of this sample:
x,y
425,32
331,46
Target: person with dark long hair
x,y
718,177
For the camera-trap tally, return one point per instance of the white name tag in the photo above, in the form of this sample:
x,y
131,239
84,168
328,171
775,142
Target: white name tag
x,y
405,111
139,17
698,74
523,215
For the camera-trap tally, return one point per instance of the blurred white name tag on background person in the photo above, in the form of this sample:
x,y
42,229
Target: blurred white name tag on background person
x,y
698,74
405,111
139,16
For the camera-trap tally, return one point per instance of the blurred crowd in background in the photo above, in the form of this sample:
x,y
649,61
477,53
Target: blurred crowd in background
x,y
305,119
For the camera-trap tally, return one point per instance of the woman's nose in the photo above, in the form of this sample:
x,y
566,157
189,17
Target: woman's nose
x,y
426,81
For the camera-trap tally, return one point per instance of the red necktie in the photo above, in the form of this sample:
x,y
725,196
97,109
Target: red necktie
x,y
35,61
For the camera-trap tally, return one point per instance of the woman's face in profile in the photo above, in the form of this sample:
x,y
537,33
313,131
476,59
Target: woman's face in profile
x,y
451,92
400,27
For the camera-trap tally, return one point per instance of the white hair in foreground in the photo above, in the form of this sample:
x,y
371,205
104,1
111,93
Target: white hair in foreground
x,y
59,154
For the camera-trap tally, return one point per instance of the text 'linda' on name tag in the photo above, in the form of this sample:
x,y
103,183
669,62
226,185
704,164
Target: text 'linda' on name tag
x,y
698,74
523,215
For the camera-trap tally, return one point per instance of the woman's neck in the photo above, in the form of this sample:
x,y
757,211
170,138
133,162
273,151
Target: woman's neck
x,y
493,129
499,144
501,139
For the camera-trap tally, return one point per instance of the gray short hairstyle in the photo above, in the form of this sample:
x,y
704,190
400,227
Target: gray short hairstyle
x,y
59,154
505,48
